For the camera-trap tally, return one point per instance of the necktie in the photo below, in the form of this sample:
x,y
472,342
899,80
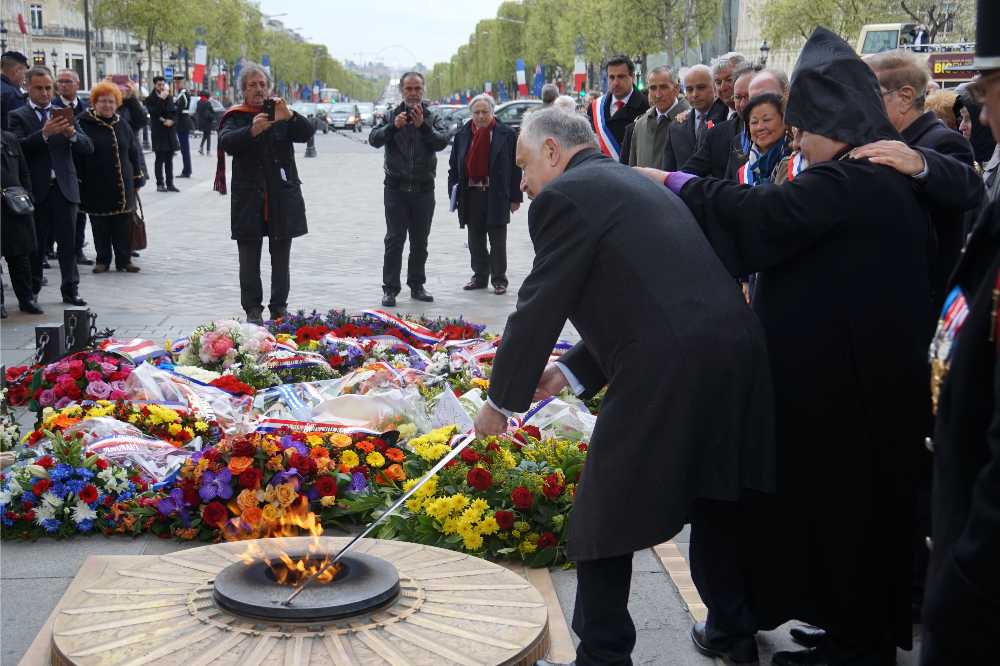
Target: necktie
x,y
618,105
43,114
661,118
701,126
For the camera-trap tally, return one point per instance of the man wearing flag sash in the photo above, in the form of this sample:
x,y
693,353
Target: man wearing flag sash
x,y
612,113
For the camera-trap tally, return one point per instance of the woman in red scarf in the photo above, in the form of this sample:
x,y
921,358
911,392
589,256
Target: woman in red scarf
x,y
485,186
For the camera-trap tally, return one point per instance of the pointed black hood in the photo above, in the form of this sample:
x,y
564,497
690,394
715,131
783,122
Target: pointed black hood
x,y
836,95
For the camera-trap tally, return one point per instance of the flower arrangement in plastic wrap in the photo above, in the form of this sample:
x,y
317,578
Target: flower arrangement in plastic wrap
x,y
63,493
221,344
264,484
507,497
81,376
10,431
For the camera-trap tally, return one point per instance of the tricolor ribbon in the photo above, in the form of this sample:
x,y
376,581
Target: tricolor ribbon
x,y
605,138
421,333
136,350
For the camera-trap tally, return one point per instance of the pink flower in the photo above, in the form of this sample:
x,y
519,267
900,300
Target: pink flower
x,y
93,376
108,368
214,346
94,358
62,367
99,390
118,386
63,402
65,379
117,395
46,397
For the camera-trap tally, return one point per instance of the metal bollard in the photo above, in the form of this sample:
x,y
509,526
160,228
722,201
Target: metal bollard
x,y
50,343
77,322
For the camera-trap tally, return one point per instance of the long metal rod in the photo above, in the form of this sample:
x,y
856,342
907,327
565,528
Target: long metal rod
x,y
468,439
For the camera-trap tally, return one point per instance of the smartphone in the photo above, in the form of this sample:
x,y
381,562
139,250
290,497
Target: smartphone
x,y
269,108
65,113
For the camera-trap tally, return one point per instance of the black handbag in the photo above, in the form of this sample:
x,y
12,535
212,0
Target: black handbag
x,y
18,200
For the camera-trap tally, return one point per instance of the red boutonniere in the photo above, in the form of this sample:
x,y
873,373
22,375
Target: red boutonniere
x,y
710,124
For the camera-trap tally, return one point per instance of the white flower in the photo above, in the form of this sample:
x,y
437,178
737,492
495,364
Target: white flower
x,y
44,512
15,487
49,499
5,497
82,512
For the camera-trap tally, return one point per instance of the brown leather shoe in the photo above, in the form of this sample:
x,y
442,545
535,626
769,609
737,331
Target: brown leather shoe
x,y
101,268
130,268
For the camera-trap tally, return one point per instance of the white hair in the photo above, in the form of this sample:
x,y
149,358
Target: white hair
x,y
71,72
731,60
569,130
250,68
693,69
483,97
565,103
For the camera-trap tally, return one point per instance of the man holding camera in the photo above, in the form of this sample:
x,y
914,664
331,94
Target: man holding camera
x,y
267,194
411,134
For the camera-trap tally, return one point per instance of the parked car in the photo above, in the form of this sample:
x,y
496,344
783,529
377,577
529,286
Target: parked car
x,y
313,112
217,108
512,113
456,119
345,116
367,110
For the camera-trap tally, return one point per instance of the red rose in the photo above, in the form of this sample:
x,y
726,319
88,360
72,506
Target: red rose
x,y
469,456
583,447
522,498
73,391
45,461
215,514
551,488
88,494
304,464
190,491
41,486
75,369
361,469
108,501
547,540
505,519
244,449
211,454
479,478
326,486
335,361
27,505
492,446
250,478
532,431
101,463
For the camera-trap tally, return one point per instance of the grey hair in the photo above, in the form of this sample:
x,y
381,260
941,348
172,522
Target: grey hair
x,y
252,68
665,69
37,70
779,76
70,71
698,68
550,92
483,97
569,130
731,60
565,103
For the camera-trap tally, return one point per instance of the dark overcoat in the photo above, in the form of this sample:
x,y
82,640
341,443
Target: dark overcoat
x,y
962,598
688,409
505,175
720,154
47,157
108,176
205,115
134,113
17,232
163,139
843,296
266,190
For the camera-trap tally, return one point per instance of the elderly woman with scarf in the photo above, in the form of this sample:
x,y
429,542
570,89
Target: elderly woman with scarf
x,y
485,185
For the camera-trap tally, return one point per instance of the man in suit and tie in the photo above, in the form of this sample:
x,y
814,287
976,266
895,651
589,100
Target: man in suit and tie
x,y
647,138
612,113
725,71
67,85
687,134
13,65
49,141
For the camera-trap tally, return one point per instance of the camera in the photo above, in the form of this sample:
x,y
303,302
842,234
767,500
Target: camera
x,y
269,108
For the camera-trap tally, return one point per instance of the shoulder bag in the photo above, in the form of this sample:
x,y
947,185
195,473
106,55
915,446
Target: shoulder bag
x,y
18,200
137,227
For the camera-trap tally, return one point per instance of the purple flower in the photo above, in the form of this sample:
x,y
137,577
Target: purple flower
x,y
216,485
173,503
63,402
100,390
119,385
358,482
287,442
47,397
291,474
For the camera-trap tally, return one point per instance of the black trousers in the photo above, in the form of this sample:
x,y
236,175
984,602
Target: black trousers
x,y
112,232
251,290
406,214
185,140
164,163
206,140
486,263
81,231
720,569
600,616
19,267
55,219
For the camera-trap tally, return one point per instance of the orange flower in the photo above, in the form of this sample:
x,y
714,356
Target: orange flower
x,y
395,455
275,463
239,464
340,440
318,452
390,474
252,516
365,446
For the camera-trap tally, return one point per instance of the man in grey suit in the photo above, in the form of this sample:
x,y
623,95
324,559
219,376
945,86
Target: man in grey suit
x,y
49,142
647,138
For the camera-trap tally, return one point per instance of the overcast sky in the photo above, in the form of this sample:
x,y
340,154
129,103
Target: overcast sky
x,y
368,30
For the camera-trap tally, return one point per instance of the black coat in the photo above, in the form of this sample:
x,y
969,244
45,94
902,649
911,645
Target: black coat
x,y
17,232
842,293
636,106
264,172
683,136
163,138
688,410
410,151
11,98
44,157
962,599
505,176
205,115
720,154
109,176
134,114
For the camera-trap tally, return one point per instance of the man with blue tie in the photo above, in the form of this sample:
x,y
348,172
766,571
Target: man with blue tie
x,y
67,85
49,141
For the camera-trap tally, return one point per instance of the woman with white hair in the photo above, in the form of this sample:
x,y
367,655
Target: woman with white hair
x,y
485,184
566,103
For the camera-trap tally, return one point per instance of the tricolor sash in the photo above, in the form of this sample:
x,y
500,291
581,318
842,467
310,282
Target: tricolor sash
x,y
273,425
422,333
136,350
796,165
605,138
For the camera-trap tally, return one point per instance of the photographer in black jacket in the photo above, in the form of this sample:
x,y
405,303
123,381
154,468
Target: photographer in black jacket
x,y
411,134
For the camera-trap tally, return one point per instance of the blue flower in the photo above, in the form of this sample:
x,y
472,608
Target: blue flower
x,y
288,443
75,486
29,496
60,472
85,525
84,473
216,485
51,525
7,522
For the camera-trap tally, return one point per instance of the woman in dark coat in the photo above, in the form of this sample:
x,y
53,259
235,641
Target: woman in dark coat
x,y
109,178
488,190
17,232
162,116
205,117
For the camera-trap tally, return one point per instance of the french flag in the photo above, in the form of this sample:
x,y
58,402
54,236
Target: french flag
x,y
522,80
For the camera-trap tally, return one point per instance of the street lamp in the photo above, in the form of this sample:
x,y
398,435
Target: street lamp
x,y
55,61
145,126
764,50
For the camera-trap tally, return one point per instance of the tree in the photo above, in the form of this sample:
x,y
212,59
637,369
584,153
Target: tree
x,y
158,23
938,16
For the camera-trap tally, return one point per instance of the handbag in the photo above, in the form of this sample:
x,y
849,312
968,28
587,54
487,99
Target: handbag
x,y
137,227
18,200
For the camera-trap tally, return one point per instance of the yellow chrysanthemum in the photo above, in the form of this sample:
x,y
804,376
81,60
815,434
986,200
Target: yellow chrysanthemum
x,y
489,526
375,459
175,429
200,426
350,458
328,500
314,440
527,548
472,541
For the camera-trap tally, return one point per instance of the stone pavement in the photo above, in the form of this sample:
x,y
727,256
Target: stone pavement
x,y
189,276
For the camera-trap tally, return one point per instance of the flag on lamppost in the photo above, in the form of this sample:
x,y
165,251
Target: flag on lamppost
x,y
265,62
200,60
579,73
539,79
522,81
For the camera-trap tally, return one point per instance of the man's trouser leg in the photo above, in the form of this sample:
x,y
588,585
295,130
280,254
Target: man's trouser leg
x,y
19,267
600,617
185,140
475,223
498,255
62,222
397,221
43,214
251,291
81,231
280,250
121,239
421,214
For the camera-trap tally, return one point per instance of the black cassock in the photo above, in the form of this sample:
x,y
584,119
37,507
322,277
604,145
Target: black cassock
x,y
688,408
843,295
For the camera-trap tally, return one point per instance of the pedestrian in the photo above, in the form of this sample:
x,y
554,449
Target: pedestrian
x,y
486,183
598,264
846,325
13,65
17,229
550,92
412,135
50,142
182,102
67,85
566,103
267,194
612,113
687,134
110,178
132,110
961,610
205,117
648,136
162,119
724,71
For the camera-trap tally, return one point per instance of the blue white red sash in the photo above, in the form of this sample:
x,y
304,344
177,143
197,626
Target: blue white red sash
x,y
273,425
283,359
605,138
135,350
421,333
796,165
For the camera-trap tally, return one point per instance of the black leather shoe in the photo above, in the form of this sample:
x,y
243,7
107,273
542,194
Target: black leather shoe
x,y
73,299
389,300
420,294
741,651
255,317
161,188
46,264
171,188
134,253
278,314
810,657
184,175
500,290
31,307
83,260
809,636
472,284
